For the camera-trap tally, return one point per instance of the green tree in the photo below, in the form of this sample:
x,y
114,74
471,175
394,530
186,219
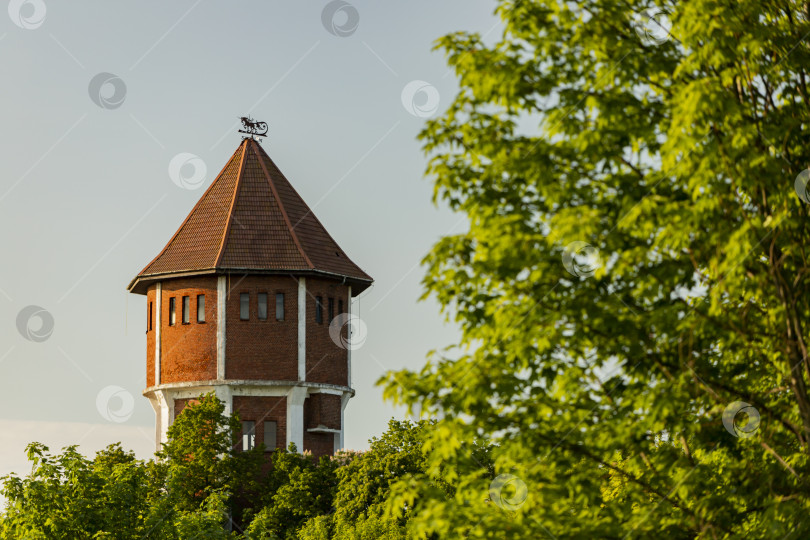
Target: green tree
x,y
360,508
634,267
68,496
365,480
298,488
202,455
206,523
186,493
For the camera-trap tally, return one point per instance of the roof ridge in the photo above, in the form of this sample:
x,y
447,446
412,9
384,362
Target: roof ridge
x,y
239,177
188,217
283,210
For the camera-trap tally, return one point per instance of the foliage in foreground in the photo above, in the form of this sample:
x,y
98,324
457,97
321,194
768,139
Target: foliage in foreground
x,y
635,267
182,493
199,486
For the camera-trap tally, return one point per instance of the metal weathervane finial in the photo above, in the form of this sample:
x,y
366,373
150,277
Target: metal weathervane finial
x,y
253,128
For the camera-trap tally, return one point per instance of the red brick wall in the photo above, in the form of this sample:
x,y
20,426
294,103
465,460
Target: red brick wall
x,y
258,349
255,349
326,361
320,444
180,404
322,409
189,351
261,410
150,337
319,409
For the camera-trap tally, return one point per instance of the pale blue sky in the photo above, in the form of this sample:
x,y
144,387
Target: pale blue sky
x,y
86,200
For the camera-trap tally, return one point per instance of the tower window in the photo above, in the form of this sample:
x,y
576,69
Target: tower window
x,y
244,306
149,322
200,308
186,309
318,309
248,435
331,309
340,307
280,306
270,435
262,306
172,312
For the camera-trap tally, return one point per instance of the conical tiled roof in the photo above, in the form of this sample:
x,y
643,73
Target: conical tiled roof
x,y
251,220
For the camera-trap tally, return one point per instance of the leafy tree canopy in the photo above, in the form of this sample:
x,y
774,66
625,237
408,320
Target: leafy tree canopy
x,y
633,275
200,487
202,455
185,493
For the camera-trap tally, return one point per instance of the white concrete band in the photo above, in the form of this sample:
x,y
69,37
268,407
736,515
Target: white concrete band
x,y
240,385
225,394
340,441
158,309
165,402
295,416
222,297
158,423
302,329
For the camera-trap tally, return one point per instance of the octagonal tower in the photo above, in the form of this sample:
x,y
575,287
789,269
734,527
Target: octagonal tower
x,y
240,302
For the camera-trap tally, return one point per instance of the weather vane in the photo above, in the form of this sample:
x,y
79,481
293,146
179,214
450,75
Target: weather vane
x,y
253,128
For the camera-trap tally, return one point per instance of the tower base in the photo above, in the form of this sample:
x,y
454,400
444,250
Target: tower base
x,y
308,414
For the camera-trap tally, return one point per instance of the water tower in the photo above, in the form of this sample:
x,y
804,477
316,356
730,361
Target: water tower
x,y
240,302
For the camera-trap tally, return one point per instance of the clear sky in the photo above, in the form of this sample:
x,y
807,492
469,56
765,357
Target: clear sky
x,y
86,199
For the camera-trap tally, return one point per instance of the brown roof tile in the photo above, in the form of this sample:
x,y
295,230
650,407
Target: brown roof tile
x,y
251,219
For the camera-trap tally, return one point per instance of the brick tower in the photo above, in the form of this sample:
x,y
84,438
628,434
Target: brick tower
x,y
240,303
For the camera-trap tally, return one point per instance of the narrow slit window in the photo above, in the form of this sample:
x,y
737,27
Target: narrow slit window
x,y
149,323
340,307
200,308
262,306
279,306
331,309
186,309
270,435
248,435
244,306
318,309
172,312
